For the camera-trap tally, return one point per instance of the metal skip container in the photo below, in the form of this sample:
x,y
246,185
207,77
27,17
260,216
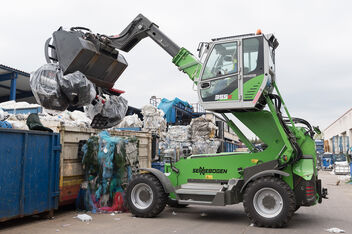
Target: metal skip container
x,y
29,172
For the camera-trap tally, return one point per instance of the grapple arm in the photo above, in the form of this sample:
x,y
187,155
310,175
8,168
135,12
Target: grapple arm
x,y
138,29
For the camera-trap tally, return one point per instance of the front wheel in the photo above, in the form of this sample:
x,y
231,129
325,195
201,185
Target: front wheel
x,y
146,196
269,202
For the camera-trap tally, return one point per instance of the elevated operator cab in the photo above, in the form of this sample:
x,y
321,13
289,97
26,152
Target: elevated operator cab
x,y
236,72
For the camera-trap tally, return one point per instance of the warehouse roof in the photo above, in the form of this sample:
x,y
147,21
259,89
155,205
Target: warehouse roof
x,y
23,89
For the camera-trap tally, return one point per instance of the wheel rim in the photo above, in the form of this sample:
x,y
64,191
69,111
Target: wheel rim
x,y
268,202
142,196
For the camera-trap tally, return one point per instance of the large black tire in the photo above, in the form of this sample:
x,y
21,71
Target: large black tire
x,y
174,203
297,207
146,196
269,202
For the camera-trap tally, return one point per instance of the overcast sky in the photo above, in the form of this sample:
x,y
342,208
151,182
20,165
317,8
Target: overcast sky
x,y
314,59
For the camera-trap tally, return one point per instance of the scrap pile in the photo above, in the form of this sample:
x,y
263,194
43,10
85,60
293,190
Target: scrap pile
x,y
130,121
153,120
177,140
203,134
108,163
199,136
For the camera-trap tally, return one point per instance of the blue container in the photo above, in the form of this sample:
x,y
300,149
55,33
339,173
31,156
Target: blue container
x,y
136,129
29,172
229,147
159,165
28,110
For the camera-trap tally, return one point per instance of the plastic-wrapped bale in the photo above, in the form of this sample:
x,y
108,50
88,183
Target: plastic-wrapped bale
x,y
46,89
179,133
107,163
153,119
202,129
205,147
130,121
77,88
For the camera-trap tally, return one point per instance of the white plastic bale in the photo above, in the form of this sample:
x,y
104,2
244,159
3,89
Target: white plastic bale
x,y
179,133
130,121
202,128
149,110
205,147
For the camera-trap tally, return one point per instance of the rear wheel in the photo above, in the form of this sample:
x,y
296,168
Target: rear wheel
x,y
146,196
269,202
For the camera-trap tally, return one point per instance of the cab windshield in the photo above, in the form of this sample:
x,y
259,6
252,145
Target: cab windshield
x,y
223,60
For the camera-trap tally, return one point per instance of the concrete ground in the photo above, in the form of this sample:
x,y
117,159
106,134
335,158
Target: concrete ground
x,y
334,212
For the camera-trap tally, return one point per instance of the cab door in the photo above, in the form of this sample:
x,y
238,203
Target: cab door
x,y
219,79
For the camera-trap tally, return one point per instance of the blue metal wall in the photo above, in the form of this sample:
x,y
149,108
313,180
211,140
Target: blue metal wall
x,y
29,172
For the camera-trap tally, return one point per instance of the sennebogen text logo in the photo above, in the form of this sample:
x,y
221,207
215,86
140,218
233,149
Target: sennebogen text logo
x,y
203,171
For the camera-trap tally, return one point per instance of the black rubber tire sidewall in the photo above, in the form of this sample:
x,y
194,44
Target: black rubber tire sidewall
x,y
285,192
159,196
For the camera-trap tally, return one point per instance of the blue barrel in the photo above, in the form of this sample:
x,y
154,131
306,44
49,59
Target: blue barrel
x,y
29,172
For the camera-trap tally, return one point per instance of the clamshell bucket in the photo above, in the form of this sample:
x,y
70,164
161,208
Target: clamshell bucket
x,y
78,51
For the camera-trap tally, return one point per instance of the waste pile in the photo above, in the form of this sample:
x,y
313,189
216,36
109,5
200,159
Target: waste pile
x,y
66,118
153,120
55,91
196,138
203,136
130,121
177,141
108,163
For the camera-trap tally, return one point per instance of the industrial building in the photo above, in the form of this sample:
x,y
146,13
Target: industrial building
x,y
337,136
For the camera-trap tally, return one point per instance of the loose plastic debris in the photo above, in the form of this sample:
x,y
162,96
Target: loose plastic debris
x,y
2,114
198,138
335,230
77,88
84,217
203,214
5,124
114,109
46,89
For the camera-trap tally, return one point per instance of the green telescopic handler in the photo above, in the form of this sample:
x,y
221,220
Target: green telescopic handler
x,y
236,79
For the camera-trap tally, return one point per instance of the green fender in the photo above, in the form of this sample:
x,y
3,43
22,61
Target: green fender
x,y
263,173
168,188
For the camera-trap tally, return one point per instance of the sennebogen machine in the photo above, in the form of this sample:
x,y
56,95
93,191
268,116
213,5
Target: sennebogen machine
x,y
237,80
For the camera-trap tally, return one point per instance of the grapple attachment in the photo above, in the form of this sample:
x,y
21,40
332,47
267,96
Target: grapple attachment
x,y
76,50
